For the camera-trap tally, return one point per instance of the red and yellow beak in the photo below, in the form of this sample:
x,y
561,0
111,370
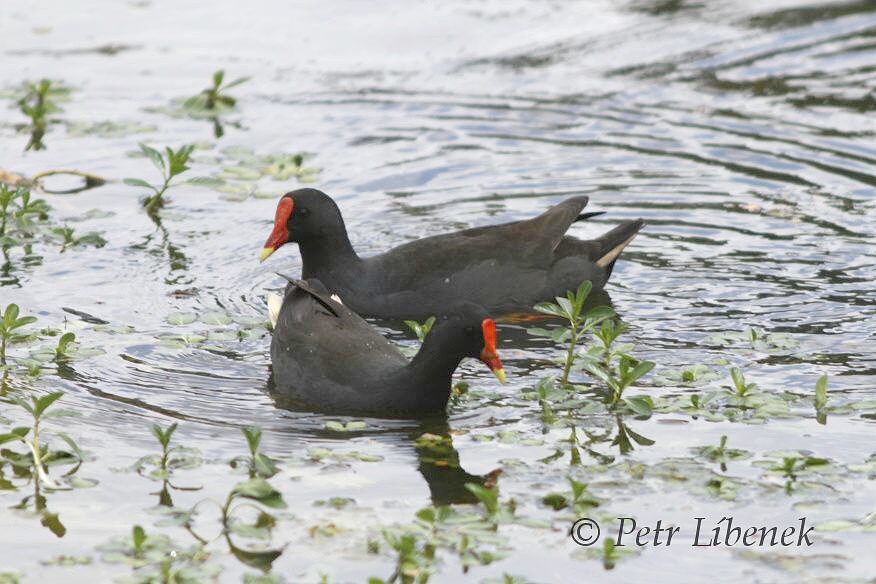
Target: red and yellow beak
x,y
489,355
280,234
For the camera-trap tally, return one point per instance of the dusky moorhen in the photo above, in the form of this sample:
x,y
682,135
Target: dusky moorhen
x,y
503,268
326,356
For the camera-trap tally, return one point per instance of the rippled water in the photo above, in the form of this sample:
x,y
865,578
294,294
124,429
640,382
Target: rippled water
x,y
743,135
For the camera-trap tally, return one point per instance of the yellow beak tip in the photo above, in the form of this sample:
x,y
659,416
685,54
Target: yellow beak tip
x,y
266,253
500,375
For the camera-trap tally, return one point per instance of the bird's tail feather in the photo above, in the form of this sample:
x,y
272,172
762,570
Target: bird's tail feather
x,y
613,243
585,216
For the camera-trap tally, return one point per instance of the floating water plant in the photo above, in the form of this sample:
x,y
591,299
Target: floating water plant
x,y
108,128
416,559
156,558
242,169
792,466
214,98
10,327
20,215
743,389
580,500
571,309
257,464
721,454
38,104
69,238
171,457
171,164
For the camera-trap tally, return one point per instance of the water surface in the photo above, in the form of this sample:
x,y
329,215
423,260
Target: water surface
x,y
743,135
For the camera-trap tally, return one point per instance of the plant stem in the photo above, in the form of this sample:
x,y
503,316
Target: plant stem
x,y
37,457
155,201
570,353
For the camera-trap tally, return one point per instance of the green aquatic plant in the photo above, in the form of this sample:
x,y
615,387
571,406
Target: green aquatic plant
x,y
415,562
604,347
721,454
38,104
581,501
752,339
162,467
792,466
471,537
255,494
156,559
65,346
421,330
544,389
743,389
571,309
171,164
609,554
19,214
610,362
215,97
9,329
257,464
821,400
171,457
241,170
40,455
627,371
69,238
625,437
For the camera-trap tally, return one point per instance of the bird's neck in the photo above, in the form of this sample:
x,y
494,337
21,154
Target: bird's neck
x,y
326,253
432,367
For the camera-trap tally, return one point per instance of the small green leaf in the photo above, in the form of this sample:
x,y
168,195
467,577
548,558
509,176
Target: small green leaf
x,y
205,181
155,156
181,318
138,182
42,403
488,497
260,490
138,537
821,392
64,342
253,437
637,372
236,82
163,436
641,404
555,501
16,434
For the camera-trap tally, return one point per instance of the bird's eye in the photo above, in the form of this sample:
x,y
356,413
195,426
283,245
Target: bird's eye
x,y
302,211
469,329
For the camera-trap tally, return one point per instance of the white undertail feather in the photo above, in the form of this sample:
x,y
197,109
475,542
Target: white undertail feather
x,y
275,302
614,252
